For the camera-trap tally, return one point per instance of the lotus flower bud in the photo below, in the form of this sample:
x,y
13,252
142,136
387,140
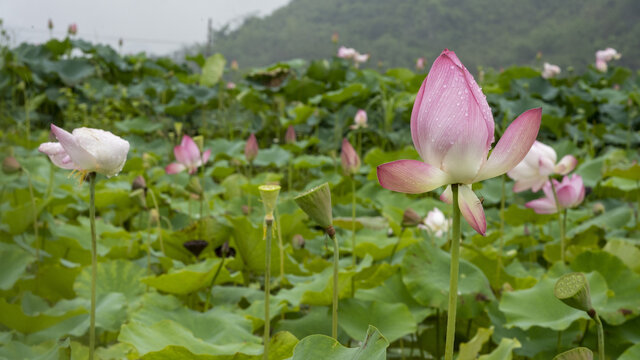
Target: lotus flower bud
x,y
297,242
420,63
349,158
410,218
549,70
234,65
573,290
580,353
231,85
10,165
50,24
139,183
269,195
195,246
120,42
290,136
597,208
155,216
251,148
73,29
334,37
360,120
316,203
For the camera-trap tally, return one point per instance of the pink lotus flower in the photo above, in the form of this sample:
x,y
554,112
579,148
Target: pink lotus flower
x,y
346,53
549,70
361,58
73,29
251,148
570,194
290,136
188,157
87,150
231,85
360,120
349,158
452,130
436,222
534,170
421,63
604,56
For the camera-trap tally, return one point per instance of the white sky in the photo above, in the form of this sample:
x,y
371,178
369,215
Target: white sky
x,y
154,26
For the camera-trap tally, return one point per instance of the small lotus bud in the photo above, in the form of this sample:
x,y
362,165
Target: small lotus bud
x,y
10,165
290,137
573,290
120,41
269,195
316,203
251,148
195,246
231,85
194,185
297,242
349,158
50,24
410,218
420,63
177,126
580,353
335,37
139,183
148,160
245,209
597,208
225,251
155,216
139,196
234,65
73,29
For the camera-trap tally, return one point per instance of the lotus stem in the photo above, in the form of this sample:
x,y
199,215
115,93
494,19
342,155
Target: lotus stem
x,y
353,221
249,192
397,244
560,221
600,337
501,246
155,205
280,247
35,215
213,281
267,284
453,279
336,255
94,263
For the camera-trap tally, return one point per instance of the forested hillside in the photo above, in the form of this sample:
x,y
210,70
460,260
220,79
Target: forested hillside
x,y
495,33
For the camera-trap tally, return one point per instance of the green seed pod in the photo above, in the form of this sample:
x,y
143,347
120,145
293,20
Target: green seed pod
x,y
580,353
573,290
316,203
269,195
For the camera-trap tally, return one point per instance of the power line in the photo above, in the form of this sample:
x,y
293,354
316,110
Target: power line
x,y
101,37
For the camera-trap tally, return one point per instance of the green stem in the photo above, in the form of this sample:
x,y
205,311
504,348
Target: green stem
x,y
501,246
155,205
94,263
267,285
280,247
213,281
600,337
336,255
353,221
453,279
35,216
249,192
397,244
560,221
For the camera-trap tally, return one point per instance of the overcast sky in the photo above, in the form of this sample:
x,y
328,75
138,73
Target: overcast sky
x,y
156,26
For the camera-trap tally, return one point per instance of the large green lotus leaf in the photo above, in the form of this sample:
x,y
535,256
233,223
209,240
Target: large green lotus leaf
x,y
626,251
504,351
631,172
50,351
13,317
14,263
81,235
118,276
185,280
624,302
169,340
217,326
281,347
251,249
212,70
425,272
354,90
316,321
538,306
374,347
255,311
275,155
394,291
471,349
53,282
117,351
20,218
138,125
614,219
377,244
317,289
632,353
72,71
393,320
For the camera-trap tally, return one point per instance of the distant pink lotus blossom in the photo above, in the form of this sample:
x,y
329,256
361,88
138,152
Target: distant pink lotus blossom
x,y
436,222
251,148
231,85
188,157
361,58
570,194
334,37
534,170
349,158
452,129
550,71
360,120
73,29
290,136
421,63
604,56
87,150
346,53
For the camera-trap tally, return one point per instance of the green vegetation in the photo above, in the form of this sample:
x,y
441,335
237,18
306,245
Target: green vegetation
x,y
493,33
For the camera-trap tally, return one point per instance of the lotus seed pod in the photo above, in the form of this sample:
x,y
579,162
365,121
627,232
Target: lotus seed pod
x,y
581,353
269,195
196,246
410,218
316,203
573,290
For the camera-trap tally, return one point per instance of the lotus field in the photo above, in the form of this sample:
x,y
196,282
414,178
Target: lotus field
x,y
325,209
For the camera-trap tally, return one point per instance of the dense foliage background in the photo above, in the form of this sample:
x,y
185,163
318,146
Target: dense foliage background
x,y
157,300
496,33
